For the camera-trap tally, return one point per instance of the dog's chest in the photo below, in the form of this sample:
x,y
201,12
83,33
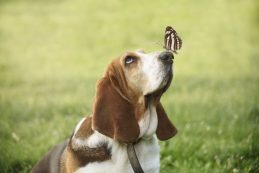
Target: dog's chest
x,y
147,152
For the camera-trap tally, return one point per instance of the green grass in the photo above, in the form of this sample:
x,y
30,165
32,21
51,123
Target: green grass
x,y
53,52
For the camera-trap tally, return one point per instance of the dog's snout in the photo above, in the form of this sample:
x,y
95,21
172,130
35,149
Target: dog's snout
x,y
166,57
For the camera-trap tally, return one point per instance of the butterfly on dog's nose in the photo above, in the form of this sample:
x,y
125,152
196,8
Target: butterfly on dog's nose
x,y
172,42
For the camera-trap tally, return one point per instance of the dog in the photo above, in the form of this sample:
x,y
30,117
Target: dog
x,y
127,110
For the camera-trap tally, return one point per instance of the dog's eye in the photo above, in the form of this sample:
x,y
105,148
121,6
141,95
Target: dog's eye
x,y
129,59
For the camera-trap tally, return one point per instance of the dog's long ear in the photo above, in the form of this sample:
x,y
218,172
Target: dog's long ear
x,y
113,115
165,129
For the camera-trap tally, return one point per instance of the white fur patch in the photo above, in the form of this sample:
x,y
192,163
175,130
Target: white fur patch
x,y
93,141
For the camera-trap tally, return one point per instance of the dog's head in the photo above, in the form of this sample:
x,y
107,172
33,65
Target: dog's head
x,y
131,83
147,73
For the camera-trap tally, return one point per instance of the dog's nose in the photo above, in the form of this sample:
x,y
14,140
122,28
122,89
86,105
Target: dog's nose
x,y
166,57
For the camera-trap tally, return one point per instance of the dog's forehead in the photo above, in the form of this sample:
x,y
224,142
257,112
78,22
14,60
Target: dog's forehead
x,y
142,54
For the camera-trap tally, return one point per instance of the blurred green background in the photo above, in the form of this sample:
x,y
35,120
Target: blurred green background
x,y
52,52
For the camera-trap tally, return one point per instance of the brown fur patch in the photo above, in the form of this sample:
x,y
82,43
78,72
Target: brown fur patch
x,y
74,159
85,130
114,116
165,129
79,156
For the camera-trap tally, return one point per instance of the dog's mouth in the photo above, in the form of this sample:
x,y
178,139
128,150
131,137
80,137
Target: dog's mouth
x,y
168,75
167,79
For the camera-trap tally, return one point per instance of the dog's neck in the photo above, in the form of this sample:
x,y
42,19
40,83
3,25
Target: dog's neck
x,y
148,122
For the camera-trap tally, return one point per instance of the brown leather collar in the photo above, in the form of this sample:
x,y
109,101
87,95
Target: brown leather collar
x,y
134,162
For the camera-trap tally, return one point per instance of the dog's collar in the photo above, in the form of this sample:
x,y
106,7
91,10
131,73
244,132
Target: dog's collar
x,y
133,158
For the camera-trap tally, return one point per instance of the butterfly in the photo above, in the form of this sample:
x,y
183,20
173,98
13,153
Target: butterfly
x,y
172,42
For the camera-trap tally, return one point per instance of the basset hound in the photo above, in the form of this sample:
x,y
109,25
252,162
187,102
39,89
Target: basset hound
x,y
127,109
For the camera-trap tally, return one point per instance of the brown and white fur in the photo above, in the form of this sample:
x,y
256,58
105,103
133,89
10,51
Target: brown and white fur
x,y
127,109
